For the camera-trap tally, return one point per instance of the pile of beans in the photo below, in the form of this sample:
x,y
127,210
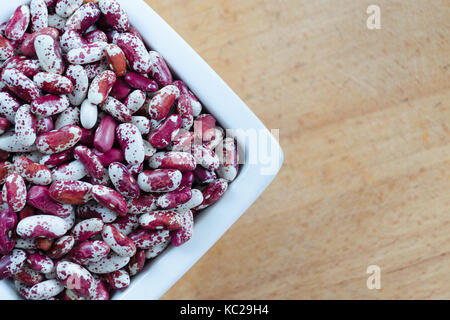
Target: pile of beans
x,y
105,158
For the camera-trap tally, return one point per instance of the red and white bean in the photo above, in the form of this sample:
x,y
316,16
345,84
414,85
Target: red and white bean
x,y
130,140
39,15
118,242
46,226
78,75
49,54
96,210
40,198
89,252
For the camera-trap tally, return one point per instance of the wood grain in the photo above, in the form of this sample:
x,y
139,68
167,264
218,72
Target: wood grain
x,y
363,118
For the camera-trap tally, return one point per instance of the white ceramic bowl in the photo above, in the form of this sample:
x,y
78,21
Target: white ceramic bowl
x,y
231,112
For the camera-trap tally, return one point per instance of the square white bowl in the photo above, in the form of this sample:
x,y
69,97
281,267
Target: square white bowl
x,y
231,112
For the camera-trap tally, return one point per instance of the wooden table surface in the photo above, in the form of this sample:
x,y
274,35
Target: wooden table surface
x,y
363,118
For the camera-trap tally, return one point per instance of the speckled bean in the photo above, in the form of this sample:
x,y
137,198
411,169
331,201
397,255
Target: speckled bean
x,y
61,247
161,180
90,161
110,199
89,252
49,54
160,104
12,263
41,226
57,141
96,210
74,277
111,263
70,192
166,132
14,192
86,229
130,140
123,181
25,126
116,109
118,242
35,173
173,160
39,197
78,75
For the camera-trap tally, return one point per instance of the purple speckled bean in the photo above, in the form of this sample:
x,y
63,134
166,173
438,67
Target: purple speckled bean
x,y
44,125
135,51
53,160
28,276
90,161
161,180
195,104
8,222
114,15
126,224
118,280
174,198
71,39
84,17
140,82
130,140
49,54
89,252
118,242
136,263
111,263
96,36
86,229
164,134
184,234
146,239
45,290
40,262
18,23
204,176
41,226
110,199
33,172
74,277
12,263
105,134
162,101
205,157
123,181
116,109
39,197
49,105
159,69
70,192
20,85
213,192
173,160
61,247
159,220
96,210
144,204
14,192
